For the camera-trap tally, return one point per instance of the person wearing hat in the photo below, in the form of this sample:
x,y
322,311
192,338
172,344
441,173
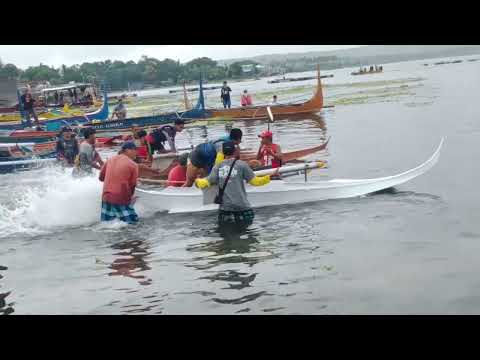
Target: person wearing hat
x,y
269,154
119,176
120,111
157,138
67,146
88,158
234,207
178,175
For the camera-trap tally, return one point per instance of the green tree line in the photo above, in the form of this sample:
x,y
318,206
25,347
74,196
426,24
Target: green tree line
x,y
119,75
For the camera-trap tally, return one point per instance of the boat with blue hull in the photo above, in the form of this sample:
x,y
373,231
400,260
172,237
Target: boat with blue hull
x,y
198,112
55,124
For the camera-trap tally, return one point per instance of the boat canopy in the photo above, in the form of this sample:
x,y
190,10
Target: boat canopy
x,y
67,87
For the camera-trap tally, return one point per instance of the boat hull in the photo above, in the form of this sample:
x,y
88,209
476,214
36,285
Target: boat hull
x,y
279,192
314,105
56,123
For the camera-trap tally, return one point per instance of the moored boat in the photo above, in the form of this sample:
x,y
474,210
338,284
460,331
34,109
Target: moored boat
x,y
314,105
56,123
164,162
19,136
179,199
197,112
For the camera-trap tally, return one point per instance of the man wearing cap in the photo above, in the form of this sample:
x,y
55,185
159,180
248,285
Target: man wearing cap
x,y
235,207
235,136
119,176
67,146
88,157
269,154
157,138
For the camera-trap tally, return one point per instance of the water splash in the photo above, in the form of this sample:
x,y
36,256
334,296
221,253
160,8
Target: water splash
x,y
53,201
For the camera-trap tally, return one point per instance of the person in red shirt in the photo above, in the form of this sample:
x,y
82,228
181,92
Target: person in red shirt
x,y
119,176
269,154
142,150
246,99
178,175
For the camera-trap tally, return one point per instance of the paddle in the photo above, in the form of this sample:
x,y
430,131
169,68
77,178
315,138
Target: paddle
x,y
270,115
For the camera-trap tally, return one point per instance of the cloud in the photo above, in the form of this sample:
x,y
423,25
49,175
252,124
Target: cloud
x,y
56,55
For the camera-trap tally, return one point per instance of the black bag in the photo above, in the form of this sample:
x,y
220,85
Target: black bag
x,y
219,198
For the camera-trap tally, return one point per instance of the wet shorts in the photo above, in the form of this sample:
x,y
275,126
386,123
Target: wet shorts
x,y
124,213
244,217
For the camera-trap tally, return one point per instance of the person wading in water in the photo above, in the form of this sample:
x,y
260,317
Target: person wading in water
x,y
119,176
231,175
88,158
67,146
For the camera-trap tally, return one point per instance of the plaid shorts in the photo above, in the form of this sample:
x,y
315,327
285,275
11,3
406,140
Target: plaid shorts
x,y
236,217
124,213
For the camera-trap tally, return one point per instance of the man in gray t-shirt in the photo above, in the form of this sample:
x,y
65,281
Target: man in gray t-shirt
x,y
88,157
235,195
235,207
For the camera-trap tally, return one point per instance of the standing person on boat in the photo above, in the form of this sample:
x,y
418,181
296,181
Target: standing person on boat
x,y
269,154
274,100
67,146
55,96
88,157
225,95
119,176
205,156
178,175
70,94
120,110
157,138
75,95
230,176
28,107
246,99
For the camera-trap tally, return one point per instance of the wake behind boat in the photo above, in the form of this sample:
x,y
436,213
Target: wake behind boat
x,y
176,200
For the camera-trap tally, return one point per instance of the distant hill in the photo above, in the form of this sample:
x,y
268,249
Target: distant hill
x,y
370,54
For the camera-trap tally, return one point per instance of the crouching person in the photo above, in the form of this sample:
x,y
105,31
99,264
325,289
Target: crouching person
x,y
119,176
230,175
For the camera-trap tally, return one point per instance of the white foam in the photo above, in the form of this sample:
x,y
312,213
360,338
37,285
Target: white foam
x,y
54,201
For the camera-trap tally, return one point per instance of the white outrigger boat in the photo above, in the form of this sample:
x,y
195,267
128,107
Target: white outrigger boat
x,y
278,192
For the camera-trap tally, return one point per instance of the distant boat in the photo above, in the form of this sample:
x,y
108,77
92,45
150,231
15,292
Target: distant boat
x,y
276,81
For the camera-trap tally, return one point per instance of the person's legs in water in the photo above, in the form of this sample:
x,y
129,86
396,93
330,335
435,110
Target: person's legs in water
x,y
125,213
237,218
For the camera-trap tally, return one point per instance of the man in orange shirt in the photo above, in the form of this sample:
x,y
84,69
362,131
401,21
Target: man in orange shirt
x,y
119,176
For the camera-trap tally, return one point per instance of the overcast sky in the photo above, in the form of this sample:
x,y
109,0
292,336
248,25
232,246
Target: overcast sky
x,y
56,55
